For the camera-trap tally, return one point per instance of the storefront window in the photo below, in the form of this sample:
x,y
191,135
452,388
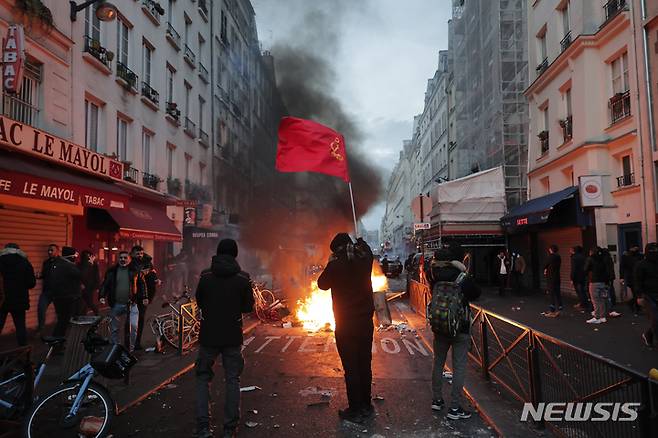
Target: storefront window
x,y
24,106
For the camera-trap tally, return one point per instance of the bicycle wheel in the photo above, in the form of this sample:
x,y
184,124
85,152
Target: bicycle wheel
x,y
50,414
268,298
169,329
15,390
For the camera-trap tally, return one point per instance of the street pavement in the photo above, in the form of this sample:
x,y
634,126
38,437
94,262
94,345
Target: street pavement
x,y
293,368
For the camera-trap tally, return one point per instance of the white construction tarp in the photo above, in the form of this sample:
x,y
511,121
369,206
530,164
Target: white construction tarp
x,y
479,197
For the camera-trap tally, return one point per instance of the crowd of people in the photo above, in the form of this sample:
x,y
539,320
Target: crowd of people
x,y
71,282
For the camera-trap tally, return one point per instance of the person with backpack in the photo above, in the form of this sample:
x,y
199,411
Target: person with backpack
x,y
449,316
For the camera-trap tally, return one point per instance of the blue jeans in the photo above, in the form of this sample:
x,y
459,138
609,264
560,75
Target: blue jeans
x,y
599,294
233,364
117,311
44,301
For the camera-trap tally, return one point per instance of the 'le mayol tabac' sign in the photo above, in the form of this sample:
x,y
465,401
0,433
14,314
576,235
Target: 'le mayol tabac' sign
x,y
25,138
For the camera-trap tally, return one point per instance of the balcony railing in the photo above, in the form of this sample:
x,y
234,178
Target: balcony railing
x,y
543,141
566,42
150,93
172,36
153,10
130,174
203,6
612,8
151,181
129,76
626,180
567,128
94,48
190,127
172,110
541,68
620,106
189,56
203,137
203,73
19,110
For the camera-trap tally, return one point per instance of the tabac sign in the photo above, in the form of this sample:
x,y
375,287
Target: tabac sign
x,y
25,138
13,58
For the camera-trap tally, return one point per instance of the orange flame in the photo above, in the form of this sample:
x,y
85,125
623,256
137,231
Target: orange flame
x,y
315,312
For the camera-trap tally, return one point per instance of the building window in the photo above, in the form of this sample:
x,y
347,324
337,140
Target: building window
x,y
543,134
122,139
170,161
222,32
170,11
147,57
627,177
123,42
546,185
542,52
92,24
202,102
146,151
566,26
188,91
170,83
188,26
619,68
567,122
24,106
202,173
91,125
188,160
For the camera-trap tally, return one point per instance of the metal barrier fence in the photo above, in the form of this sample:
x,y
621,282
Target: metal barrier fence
x,y
188,326
533,367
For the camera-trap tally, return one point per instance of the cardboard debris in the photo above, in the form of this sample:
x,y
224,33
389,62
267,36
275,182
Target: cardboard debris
x,y
315,390
250,388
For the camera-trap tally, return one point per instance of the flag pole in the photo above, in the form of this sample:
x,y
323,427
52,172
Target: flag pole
x,y
356,229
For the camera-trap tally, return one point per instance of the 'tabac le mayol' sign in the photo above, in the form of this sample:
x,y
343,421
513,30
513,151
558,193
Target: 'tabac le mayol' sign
x,y
13,57
25,138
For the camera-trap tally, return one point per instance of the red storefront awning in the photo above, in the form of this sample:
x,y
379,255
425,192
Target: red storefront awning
x,y
145,221
23,178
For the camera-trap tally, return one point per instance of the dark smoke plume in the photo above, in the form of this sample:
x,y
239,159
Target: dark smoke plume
x,y
315,207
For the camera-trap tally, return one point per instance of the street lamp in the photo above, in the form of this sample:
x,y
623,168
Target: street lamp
x,y
105,11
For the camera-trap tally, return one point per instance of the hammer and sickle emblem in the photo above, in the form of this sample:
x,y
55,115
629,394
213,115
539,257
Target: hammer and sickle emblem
x,y
335,146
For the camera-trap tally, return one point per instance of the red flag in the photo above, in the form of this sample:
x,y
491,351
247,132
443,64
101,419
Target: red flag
x,y
307,146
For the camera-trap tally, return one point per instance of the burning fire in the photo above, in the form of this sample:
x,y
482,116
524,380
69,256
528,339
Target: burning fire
x,y
316,312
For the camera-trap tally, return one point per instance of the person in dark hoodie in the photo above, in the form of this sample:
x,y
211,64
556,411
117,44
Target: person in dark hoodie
x,y
18,278
646,287
629,260
223,294
66,289
598,270
144,263
552,274
348,275
46,299
91,280
445,267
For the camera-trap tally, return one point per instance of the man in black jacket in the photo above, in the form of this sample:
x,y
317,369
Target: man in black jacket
x,y
45,299
629,260
552,274
224,293
65,289
646,287
445,267
579,278
144,263
122,289
348,275
18,278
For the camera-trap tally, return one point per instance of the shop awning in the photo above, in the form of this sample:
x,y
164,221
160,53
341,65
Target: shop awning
x,y
27,178
144,221
538,210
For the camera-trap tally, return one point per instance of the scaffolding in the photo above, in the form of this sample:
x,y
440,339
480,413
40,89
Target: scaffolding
x,y
488,39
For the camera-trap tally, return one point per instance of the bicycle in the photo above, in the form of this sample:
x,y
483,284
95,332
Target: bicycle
x,y
81,406
264,302
15,394
167,325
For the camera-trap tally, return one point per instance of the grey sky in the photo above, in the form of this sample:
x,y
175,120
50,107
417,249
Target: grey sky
x,y
387,50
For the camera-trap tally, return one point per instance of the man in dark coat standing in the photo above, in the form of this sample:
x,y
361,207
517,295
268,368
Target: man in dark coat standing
x,y
552,274
66,289
348,275
646,287
18,278
143,263
223,295
45,299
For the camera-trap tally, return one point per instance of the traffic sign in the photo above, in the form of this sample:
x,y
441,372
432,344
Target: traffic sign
x,y
422,226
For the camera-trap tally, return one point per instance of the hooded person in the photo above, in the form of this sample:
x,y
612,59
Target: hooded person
x,y
224,293
142,262
65,289
646,287
348,275
17,276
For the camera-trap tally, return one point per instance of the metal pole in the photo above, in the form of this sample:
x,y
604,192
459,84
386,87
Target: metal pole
x,y
356,229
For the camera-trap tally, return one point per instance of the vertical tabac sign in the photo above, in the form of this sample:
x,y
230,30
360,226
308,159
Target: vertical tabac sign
x,y
13,58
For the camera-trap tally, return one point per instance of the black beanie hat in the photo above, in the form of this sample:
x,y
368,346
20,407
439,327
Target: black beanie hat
x,y
340,240
68,251
227,247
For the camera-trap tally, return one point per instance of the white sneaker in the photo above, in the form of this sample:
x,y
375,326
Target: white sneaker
x,y
614,314
603,320
595,321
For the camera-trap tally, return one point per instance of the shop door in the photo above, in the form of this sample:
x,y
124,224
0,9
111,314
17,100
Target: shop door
x,y
564,238
33,232
630,235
